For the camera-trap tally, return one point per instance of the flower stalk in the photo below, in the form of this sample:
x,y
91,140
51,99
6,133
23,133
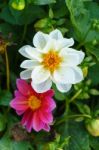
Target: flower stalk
x,y
7,70
66,118
75,96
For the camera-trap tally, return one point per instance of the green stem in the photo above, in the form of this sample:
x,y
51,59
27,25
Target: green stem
x,y
80,45
71,117
24,33
75,96
67,107
7,70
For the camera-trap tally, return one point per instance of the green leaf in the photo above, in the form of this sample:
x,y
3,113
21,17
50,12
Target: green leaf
x,y
5,97
93,50
79,139
6,29
2,122
58,95
84,31
94,142
7,144
94,74
94,92
43,2
60,10
23,145
26,16
77,12
83,108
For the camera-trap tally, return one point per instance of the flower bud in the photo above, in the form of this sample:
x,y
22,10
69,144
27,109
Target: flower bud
x,y
92,126
94,42
18,4
85,71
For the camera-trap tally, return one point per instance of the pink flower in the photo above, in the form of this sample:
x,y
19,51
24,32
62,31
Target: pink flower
x,y
35,107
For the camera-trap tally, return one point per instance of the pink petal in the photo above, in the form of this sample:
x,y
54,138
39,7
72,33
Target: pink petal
x,y
17,93
20,112
49,93
48,104
29,124
19,103
46,127
25,117
46,117
37,123
24,87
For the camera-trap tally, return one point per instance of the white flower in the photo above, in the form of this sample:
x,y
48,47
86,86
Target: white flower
x,y
51,60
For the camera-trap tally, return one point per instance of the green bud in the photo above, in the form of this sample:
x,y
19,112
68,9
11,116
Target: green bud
x,y
98,26
42,23
85,71
94,42
88,82
18,4
94,25
94,92
95,21
51,15
92,125
79,119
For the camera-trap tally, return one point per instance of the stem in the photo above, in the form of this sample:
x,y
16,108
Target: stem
x,y
24,33
79,45
67,107
75,96
7,70
71,117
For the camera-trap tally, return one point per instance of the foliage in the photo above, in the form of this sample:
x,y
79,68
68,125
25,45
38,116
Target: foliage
x,y
19,21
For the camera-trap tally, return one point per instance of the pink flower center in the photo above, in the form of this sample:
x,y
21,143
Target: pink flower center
x,y
34,103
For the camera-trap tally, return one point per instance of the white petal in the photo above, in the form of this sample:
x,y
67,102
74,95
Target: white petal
x,y
63,87
40,75
64,75
40,40
43,87
29,64
25,74
34,54
49,46
62,43
68,75
71,57
78,75
23,52
56,34
81,54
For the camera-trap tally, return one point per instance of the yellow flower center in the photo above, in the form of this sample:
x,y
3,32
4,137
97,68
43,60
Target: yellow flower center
x,y
51,61
34,103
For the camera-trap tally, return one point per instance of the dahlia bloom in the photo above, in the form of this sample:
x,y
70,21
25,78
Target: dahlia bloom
x,y
51,60
35,108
